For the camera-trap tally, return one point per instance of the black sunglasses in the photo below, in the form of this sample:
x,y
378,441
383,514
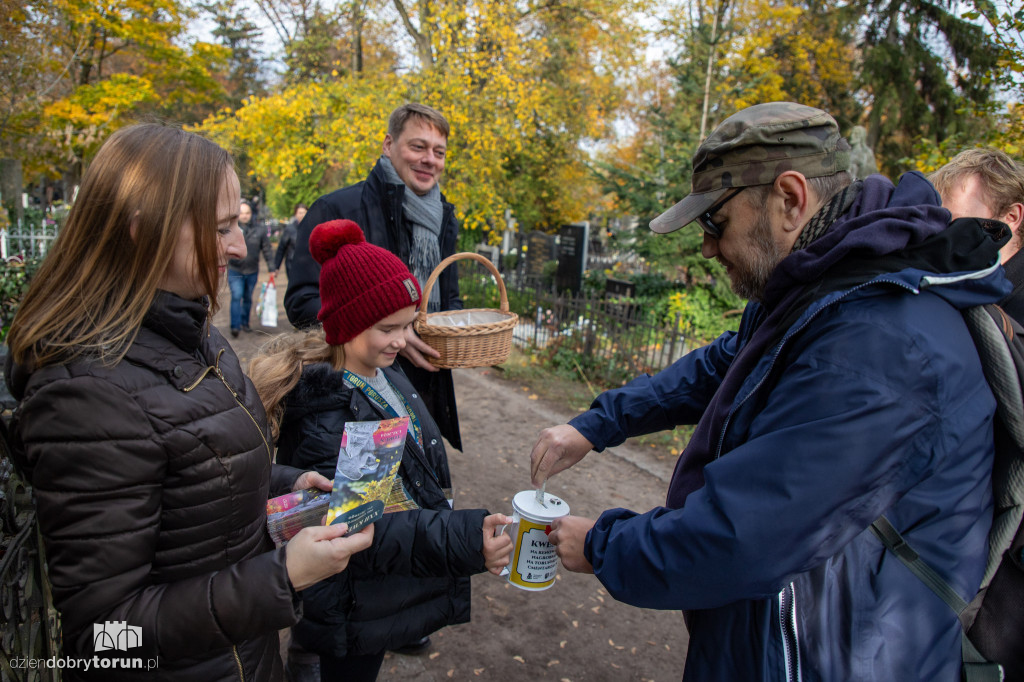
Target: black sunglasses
x,y
709,226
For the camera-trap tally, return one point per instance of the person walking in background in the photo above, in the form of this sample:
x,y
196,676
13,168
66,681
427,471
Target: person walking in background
x,y
286,246
987,183
415,578
244,272
146,445
852,389
400,208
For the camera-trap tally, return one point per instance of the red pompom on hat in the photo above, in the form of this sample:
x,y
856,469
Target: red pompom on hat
x,y
360,284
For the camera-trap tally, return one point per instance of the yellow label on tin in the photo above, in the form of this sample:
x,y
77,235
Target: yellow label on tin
x,y
534,562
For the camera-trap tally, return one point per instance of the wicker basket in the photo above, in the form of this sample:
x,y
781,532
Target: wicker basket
x,y
462,340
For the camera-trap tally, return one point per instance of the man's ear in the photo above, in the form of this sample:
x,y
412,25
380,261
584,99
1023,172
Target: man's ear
x,y
791,187
386,147
1014,217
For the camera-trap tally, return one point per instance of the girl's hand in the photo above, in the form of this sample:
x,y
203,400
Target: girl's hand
x,y
318,552
312,479
497,547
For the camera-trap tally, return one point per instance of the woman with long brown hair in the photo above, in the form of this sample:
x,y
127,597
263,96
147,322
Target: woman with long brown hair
x,y
147,446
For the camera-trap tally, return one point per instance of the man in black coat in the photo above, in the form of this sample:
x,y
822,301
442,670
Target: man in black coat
x,y
986,183
400,208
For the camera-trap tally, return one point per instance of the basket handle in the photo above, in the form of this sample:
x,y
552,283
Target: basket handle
x,y
422,316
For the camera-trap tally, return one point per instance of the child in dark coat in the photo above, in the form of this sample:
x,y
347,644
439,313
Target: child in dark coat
x,y
414,579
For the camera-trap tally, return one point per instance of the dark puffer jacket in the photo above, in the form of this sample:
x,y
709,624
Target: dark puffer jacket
x,y
414,579
151,479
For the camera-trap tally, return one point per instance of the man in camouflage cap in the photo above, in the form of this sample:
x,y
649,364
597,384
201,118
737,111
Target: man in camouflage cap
x,y
852,389
753,147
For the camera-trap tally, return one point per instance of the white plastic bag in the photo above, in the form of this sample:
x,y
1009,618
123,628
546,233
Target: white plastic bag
x,y
268,316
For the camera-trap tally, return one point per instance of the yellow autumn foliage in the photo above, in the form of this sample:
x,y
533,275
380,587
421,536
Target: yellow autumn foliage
x,y
512,82
781,51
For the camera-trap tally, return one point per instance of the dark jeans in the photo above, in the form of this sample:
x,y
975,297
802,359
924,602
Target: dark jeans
x,y
241,296
351,668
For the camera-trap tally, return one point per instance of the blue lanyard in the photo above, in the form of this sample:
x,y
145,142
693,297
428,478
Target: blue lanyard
x,y
371,393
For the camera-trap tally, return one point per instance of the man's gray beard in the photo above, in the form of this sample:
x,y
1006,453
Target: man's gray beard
x,y
750,278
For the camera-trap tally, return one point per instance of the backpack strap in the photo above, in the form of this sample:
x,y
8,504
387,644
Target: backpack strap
x,y
1000,344
976,667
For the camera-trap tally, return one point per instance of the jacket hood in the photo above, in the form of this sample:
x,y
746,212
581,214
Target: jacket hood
x,y
900,231
319,388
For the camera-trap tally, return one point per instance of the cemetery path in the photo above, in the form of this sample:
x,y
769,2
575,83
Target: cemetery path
x,y
574,631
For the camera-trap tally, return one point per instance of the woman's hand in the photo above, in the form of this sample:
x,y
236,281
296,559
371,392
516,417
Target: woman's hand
x,y
497,547
318,552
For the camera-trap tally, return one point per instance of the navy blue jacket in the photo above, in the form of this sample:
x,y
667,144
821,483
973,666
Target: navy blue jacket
x,y
414,579
852,391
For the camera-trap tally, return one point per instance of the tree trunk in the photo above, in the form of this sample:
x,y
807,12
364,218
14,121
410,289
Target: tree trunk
x,y
11,188
707,77
422,40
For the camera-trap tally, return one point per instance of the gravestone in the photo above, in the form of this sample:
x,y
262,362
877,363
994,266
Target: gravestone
x,y
489,252
572,257
540,248
619,287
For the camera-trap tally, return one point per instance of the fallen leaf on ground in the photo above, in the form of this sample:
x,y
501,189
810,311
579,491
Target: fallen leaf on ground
x,y
518,658
434,655
477,671
561,645
552,662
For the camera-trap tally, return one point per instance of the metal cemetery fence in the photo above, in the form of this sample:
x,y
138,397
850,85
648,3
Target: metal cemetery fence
x,y
605,339
28,239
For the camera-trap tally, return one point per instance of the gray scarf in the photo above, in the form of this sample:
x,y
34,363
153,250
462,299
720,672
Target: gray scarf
x,y
827,214
425,213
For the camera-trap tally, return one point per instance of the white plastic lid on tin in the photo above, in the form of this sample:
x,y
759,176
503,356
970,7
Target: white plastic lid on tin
x,y
525,502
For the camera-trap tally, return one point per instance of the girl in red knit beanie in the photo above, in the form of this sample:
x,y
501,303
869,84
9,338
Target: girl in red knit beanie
x,y
414,579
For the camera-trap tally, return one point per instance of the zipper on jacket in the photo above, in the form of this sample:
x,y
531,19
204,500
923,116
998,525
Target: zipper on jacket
x,y
789,334
787,598
238,661
215,369
787,625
